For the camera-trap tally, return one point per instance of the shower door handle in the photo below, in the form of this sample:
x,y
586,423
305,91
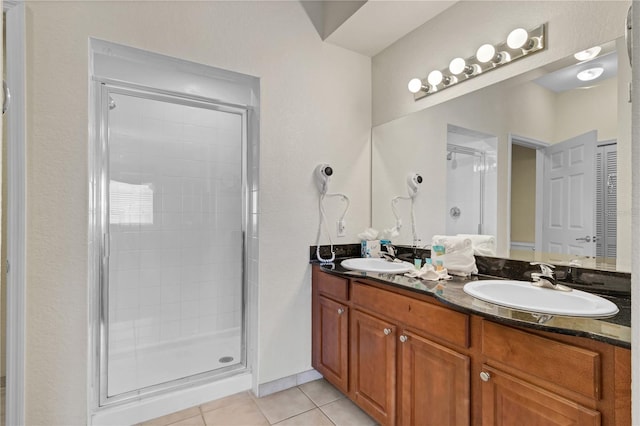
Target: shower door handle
x,y
628,34
6,100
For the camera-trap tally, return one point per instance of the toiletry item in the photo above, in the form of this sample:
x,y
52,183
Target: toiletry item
x,y
370,248
437,251
417,262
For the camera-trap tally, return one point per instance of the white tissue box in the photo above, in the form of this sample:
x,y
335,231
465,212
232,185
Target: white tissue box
x,y
370,248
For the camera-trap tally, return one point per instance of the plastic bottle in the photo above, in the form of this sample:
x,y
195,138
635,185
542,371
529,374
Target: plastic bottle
x,y
437,251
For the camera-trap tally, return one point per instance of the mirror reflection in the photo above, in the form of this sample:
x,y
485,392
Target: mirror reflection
x,y
540,162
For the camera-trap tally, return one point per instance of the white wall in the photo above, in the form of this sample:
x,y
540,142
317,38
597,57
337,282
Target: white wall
x,y
315,107
580,111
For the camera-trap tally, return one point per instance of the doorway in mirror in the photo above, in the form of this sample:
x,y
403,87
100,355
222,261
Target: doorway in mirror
x,y
471,182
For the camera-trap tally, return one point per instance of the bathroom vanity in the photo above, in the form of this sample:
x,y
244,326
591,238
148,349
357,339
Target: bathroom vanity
x,y
412,352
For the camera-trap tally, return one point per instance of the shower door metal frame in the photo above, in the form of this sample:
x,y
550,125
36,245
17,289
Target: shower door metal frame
x,y
99,228
15,347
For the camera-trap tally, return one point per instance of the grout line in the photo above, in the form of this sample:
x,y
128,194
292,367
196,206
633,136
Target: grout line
x,y
290,417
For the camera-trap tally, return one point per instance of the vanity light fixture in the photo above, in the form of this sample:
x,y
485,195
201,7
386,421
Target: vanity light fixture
x,y
459,66
519,43
519,39
590,74
415,85
587,54
487,53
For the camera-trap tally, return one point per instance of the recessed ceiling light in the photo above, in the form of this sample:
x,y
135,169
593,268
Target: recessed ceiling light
x,y
590,74
585,55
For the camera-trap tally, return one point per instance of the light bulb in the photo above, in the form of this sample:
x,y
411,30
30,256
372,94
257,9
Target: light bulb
x,y
415,85
590,74
435,78
517,38
485,53
457,66
587,54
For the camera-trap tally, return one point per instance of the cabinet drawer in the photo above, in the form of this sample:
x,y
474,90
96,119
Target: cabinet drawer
x,y
442,323
334,287
571,367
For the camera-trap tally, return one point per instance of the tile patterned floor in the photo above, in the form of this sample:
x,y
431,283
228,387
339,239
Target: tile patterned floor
x,y
314,403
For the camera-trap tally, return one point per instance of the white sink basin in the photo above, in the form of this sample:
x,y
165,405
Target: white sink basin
x,y
370,264
523,296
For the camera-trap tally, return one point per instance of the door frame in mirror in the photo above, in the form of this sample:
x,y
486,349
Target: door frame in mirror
x,y
538,145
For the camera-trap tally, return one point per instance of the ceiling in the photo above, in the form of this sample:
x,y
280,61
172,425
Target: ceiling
x,y
565,79
370,27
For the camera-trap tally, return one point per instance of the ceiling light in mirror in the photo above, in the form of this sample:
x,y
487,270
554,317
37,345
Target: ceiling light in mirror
x,y
590,74
587,54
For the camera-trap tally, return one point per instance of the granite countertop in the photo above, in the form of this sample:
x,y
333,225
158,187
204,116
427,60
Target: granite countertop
x,y
614,330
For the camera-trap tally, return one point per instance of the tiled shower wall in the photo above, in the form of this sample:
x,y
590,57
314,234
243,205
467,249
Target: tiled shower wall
x,y
175,222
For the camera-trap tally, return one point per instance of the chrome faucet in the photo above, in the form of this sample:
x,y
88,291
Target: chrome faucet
x,y
546,278
390,253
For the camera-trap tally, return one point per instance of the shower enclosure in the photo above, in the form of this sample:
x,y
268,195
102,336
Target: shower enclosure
x,y
174,209
170,218
465,190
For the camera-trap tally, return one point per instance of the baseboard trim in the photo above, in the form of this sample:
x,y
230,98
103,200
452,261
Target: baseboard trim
x,y
288,382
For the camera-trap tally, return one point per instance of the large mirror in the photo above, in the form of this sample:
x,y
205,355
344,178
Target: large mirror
x,y
539,162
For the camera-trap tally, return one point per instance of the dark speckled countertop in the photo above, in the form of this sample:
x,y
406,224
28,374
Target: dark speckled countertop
x,y
615,330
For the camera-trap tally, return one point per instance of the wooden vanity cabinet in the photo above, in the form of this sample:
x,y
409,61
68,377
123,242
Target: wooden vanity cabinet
x,y
330,325
373,366
408,360
434,383
536,377
399,373
508,400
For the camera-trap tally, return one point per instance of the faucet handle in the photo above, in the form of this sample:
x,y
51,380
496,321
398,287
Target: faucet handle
x,y
546,268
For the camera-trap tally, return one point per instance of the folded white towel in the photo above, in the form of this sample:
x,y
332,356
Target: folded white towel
x,y
483,245
458,257
451,243
429,273
368,234
461,263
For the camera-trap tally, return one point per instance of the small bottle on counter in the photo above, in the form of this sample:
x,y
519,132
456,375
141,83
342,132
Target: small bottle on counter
x,y
437,251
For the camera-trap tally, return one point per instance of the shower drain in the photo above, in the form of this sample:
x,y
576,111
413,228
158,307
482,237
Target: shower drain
x,y
225,359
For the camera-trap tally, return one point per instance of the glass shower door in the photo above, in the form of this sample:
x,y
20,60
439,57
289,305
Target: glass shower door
x,y
173,284
465,191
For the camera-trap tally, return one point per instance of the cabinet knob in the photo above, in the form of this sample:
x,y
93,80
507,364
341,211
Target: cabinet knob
x,y
485,376
387,331
340,311
403,338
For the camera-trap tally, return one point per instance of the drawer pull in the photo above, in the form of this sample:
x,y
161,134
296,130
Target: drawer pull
x,y
387,331
340,311
403,338
485,376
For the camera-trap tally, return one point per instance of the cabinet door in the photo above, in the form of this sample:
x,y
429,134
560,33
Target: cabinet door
x,y
434,383
507,400
331,351
373,366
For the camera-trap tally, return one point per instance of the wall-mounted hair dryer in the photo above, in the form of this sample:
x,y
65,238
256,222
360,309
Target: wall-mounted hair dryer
x,y
323,173
413,181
